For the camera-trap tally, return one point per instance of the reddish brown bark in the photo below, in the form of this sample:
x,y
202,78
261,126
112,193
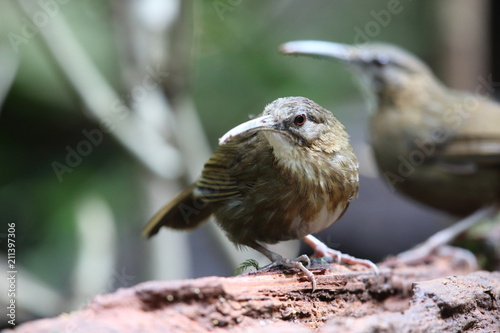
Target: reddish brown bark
x,y
436,295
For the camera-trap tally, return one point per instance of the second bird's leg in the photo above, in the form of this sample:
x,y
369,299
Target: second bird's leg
x,y
278,260
321,250
445,236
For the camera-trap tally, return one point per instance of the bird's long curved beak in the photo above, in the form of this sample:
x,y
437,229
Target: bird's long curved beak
x,y
262,123
316,48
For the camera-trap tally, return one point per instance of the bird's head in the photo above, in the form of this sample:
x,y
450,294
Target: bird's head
x,y
384,68
293,125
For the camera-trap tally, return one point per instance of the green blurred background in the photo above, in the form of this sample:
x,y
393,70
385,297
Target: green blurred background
x,y
156,83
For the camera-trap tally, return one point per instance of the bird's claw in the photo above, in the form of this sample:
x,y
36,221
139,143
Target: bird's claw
x,y
322,250
421,253
296,263
304,258
347,259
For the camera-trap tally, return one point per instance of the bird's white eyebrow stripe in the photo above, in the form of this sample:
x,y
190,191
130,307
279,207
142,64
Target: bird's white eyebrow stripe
x,y
312,118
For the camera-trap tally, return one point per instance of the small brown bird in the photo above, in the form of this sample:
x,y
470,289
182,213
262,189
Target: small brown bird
x,y
438,146
283,175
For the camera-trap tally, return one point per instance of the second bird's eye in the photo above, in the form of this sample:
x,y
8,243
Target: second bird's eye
x,y
300,120
380,61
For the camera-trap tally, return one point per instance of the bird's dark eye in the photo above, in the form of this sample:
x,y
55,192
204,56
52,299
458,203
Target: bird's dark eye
x,y
300,120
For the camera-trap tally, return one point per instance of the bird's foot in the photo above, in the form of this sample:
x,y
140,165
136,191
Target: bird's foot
x,y
346,258
459,256
321,250
296,263
416,255
436,244
420,254
437,241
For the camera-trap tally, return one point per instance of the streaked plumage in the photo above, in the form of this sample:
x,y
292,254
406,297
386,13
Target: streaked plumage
x,y
283,175
438,146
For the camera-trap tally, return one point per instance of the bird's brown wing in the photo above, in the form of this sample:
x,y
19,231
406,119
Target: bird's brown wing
x,y
217,181
477,137
478,150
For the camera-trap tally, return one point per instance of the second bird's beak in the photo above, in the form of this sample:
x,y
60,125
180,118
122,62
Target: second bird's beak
x,y
262,123
329,50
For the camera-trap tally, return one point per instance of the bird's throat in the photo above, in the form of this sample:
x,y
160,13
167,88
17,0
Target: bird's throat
x,y
288,155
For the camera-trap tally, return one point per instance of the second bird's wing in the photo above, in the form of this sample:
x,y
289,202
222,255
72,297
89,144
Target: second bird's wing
x,y
476,139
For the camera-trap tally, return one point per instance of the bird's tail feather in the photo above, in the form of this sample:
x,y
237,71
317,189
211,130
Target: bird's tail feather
x,y
184,212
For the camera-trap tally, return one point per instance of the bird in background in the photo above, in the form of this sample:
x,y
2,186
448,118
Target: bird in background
x,y
283,175
435,145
